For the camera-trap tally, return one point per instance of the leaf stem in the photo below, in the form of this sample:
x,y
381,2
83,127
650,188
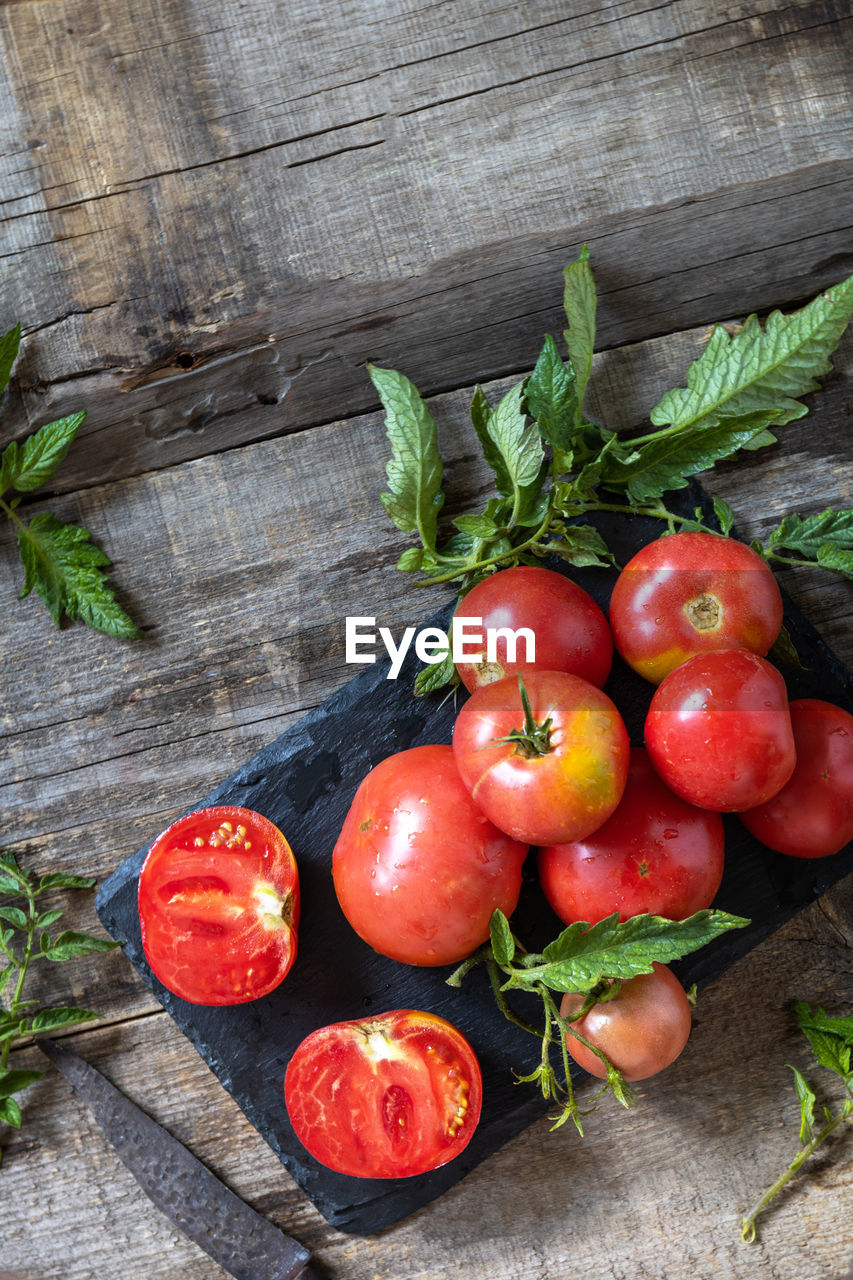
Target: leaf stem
x,y
22,964
748,1231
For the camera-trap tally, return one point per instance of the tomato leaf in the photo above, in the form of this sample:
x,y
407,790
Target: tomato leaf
x,y
550,397
60,1016
10,1112
29,465
436,675
580,303
502,941
806,1099
583,955
414,470
14,916
668,462
13,1081
831,1039
67,570
520,448
59,880
69,944
581,545
826,538
757,370
9,345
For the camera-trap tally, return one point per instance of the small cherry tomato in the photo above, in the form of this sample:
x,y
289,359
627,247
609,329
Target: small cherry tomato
x,y
719,731
655,853
546,773
389,1097
812,815
571,631
689,593
219,906
418,867
641,1030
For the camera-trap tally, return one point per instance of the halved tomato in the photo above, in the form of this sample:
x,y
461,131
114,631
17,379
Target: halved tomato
x,y
388,1097
219,906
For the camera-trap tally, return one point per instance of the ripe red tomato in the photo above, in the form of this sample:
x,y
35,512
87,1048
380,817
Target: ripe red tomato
x,y
571,631
390,1097
719,732
655,853
689,593
641,1030
563,786
219,906
418,867
812,815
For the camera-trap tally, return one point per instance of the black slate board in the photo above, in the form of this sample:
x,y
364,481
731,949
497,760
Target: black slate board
x,y
304,782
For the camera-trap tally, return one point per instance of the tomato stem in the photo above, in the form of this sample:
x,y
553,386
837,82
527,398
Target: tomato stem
x,y
534,739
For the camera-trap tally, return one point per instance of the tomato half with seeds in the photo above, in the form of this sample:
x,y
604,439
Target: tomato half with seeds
x,y
388,1097
571,632
655,853
718,731
219,906
812,816
418,868
549,771
688,593
641,1030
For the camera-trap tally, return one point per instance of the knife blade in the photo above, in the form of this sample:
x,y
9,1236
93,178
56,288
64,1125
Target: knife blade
x,y
224,1226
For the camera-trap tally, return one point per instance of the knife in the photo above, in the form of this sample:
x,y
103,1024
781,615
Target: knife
x,y
230,1231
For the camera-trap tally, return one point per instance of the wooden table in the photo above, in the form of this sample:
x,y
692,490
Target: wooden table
x,y
212,215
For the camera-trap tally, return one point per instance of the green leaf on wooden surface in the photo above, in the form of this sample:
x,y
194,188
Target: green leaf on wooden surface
x,y
29,465
14,916
12,1081
806,1098
60,1016
70,943
826,538
59,880
67,570
669,461
414,471
550,397
760,370
831,1039
10,1113
9,345
580,303
520,448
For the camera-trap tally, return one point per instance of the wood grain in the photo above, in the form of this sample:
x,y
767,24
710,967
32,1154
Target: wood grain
x,y
209,224
243,567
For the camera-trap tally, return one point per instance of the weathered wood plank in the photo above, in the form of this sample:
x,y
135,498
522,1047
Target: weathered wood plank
x,y
327,171
243,567
657,1191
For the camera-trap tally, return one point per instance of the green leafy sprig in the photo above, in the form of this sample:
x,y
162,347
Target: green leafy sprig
x,y
60,560
831,1040
25,937
587,960
553,467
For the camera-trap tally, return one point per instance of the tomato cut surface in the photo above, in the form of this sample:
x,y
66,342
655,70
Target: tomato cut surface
x,y
219,906
387,1097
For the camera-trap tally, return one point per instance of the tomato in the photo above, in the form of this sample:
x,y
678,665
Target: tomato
x,y
219,906
561,783
390,1097
418,868
812,815
719,732
689,593
571,631
655,853
641,1030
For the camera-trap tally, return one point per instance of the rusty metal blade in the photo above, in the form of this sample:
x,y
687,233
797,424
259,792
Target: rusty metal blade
x,y
232,1233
